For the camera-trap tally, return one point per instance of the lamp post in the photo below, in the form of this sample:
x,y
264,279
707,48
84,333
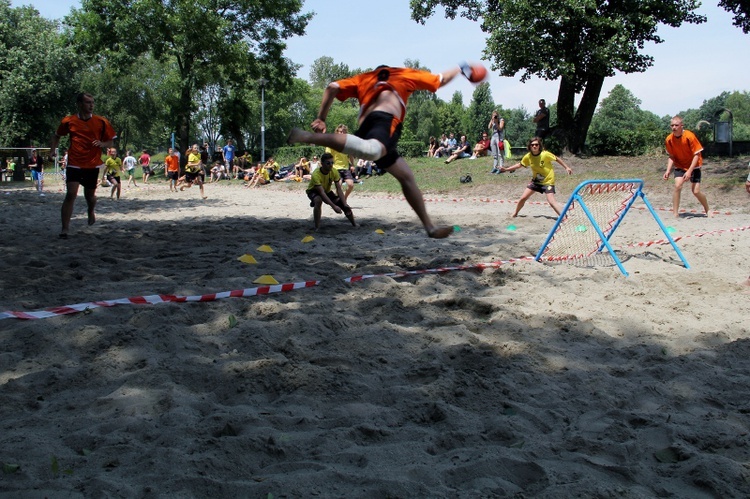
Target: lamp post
x,y
262,83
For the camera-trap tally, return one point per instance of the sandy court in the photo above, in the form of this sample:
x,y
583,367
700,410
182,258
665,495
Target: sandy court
x,y
529,378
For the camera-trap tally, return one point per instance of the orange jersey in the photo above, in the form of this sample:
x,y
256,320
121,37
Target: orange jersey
x,y
403,82
173,163
82,153
682,149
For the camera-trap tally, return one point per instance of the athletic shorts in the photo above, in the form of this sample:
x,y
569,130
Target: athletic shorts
x,y
345,174
130,172
173,175
313,193
113,178
377,126
36,175
147,170
87,177
695,177
541,189
190,177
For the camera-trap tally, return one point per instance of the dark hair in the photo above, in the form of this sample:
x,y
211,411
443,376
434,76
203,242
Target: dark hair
x,y
535,139
325,157
81,95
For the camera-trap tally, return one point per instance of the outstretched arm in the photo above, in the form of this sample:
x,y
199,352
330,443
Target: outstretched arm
x,y
567,168
511,168
449,75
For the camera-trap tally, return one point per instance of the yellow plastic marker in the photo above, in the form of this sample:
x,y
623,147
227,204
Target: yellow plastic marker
x,y
308,239
247,258
265,249
379,231
265,279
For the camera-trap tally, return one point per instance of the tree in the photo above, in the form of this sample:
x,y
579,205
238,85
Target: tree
x,y
323,71
133,98
210,42
38,76
479,112
421,120
579,42
451,115
741,11
620,127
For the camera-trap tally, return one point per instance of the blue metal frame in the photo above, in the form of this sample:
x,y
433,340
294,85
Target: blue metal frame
x,y
605,239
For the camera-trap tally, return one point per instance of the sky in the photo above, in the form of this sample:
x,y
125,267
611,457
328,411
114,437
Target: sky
x,y
693,64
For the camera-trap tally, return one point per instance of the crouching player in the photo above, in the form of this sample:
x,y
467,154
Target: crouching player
x,y
319,191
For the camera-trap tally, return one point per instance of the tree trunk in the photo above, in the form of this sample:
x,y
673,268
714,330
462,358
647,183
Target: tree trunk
x,y
585,113
565,108
183,120
573,125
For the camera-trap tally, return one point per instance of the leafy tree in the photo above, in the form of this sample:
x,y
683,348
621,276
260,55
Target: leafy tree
x,y
741,11
518,126
421,120
210,42
581,42
451,115
134,101
323,71
478,114
620,127
38,76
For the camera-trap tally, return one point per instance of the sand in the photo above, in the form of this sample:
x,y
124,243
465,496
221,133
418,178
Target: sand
x,y
524,380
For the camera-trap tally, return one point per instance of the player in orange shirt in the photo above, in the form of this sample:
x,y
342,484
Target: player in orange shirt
x,y
383,94
89,133
172,169
685,157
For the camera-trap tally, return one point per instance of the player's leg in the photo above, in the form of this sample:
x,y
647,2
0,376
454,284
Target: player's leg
x,y
400,169
527,193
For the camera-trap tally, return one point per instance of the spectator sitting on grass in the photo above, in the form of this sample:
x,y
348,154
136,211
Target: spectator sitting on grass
x,y
482,148
462,151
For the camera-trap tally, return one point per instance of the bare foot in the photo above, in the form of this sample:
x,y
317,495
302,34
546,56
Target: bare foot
x,y
295,136
440,232
92,217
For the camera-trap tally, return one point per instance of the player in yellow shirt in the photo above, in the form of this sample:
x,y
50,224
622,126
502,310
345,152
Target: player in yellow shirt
x,y
319,191
542,174
112,170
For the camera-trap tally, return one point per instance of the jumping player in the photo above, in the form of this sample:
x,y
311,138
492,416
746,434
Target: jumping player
x,y
383,94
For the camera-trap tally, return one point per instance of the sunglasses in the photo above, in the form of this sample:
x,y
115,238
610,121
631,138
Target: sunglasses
x,y
534,145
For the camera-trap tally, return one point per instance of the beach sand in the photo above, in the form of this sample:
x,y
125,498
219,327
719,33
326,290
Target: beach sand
x,y
524,380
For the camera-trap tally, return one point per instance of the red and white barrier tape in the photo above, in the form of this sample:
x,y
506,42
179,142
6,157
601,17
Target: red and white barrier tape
x,y
263,290
678,238
279,288
152,299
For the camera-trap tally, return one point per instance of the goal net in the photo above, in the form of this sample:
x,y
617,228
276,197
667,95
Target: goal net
x,y
589,219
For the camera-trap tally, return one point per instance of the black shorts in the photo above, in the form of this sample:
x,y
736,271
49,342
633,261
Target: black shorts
x,y
113,178
190,177
345,174
87,177
173,175
377,126
313,193
695,177
541,189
